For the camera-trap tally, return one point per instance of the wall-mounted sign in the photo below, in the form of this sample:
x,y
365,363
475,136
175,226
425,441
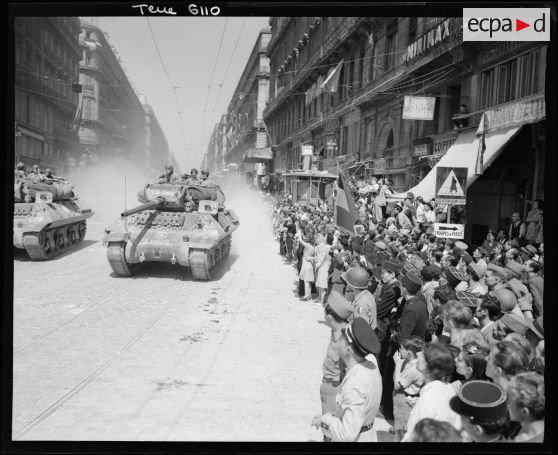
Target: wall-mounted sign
x,y
421,150
443,143
529,110
418,108
430,39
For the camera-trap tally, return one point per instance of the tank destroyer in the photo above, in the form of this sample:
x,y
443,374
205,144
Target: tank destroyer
x,y
176,223
48,217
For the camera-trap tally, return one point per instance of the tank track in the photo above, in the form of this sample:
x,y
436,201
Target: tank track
x,y
116,253
204,262
50,243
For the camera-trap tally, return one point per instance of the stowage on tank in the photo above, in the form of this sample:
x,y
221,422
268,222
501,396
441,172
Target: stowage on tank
x,y
177,223
48,217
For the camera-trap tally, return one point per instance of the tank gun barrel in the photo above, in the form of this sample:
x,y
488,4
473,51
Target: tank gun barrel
x,y
158,201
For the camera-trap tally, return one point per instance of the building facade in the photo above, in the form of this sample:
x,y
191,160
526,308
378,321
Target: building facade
x,y
246,137
46,84
113,120
215,156
338,87
156,150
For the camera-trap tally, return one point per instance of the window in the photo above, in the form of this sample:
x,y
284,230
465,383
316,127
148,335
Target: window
x,y
391,38
373,63
361,63
412,29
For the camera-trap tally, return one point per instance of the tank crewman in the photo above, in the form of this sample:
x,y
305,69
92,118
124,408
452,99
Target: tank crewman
x,y
358,399
205,180
49,175
35,175
19,171
193,179
168,175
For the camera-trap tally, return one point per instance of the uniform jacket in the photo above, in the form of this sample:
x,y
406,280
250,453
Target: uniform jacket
x,y
365,307
414,318
333,367
358,402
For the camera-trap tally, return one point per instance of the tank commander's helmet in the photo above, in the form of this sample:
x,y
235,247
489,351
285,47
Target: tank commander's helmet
x,y
20,166
204,173
48,171
193,172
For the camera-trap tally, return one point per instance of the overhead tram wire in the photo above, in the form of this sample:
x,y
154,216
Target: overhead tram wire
x,y
170,82
213,75
227,69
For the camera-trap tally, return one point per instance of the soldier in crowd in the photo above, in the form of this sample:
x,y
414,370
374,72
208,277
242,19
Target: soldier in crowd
x,y
205,180
338,311
193,179
168,175
49,175
360,391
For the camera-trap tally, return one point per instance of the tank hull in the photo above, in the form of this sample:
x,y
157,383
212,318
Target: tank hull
x,y
199,241
46,230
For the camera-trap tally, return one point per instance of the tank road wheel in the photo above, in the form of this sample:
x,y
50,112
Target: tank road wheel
x,y
59,240
227,248
82,229
38,246
72,236
202,264
116,254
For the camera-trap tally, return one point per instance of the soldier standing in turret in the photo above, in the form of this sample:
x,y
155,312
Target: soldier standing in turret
x,y
168,175
205,181
19,172
193,180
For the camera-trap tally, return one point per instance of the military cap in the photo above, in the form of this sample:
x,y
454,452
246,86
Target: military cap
x,y
391,266
536,326
515,269
461,245
499,270
412,282
404,232
381,245
482,401
361,336
410,268
467,258
529,249
516,323
453,276
475,271
339,305
468,298
431,272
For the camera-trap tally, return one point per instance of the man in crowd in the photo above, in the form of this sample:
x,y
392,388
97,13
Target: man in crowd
x,y
363,302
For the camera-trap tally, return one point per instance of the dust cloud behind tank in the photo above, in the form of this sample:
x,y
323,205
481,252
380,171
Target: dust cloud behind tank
x,y
49,218
177,223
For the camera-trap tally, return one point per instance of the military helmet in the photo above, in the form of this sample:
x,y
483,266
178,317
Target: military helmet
x,y
20,166
205,173
48,170
194,171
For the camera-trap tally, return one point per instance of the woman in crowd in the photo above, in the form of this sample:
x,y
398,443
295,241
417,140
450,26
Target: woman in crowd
x,y
307,269
526,405
436,364
471,363
323,263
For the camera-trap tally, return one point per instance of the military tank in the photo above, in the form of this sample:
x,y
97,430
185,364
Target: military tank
x,y
49,219
176,223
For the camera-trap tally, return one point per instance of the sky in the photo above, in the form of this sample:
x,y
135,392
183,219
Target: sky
x,y
190,56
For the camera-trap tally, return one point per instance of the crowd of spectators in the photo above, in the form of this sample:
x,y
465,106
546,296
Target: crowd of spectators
x,y
460,326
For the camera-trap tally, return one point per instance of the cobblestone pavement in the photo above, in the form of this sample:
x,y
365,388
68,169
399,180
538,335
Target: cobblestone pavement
x,y
161,357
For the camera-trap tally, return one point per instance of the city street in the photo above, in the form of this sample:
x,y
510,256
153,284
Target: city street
x,y
162,357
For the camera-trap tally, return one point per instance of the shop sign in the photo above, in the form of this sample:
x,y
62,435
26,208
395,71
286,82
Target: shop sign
x,y
421,150
418,108
442,144
261,154
438,34
449,231
529,110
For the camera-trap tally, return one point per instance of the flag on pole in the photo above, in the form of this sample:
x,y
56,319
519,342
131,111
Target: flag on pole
x,y
345,211
77,117
481,133
332,80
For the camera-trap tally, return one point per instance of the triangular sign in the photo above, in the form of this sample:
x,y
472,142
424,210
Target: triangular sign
x,y
451,186
520,25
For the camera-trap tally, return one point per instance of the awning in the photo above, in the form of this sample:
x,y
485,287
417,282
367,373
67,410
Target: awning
x,y
463,153
28,132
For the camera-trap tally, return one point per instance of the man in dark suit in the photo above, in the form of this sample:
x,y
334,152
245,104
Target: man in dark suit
x,y
414,317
